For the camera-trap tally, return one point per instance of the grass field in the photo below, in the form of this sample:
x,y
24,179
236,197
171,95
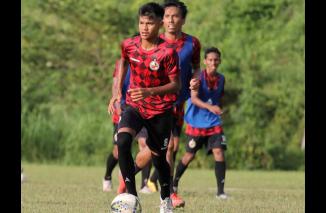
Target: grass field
x,y
51,188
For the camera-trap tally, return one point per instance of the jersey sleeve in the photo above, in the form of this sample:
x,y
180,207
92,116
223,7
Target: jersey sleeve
x,y
123,50
196,51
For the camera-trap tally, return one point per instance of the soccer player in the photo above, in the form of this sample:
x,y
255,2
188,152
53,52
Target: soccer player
x,y
154,84
203,121
112,159
188,48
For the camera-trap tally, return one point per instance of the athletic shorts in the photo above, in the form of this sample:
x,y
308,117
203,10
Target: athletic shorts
x,y
194,143
142,134
178,115
158,127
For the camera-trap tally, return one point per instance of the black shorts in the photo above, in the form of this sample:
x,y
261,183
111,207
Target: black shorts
x,y
142,134
158,127
194,143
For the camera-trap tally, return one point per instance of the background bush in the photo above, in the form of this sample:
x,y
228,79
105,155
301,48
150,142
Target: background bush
x,y
68,53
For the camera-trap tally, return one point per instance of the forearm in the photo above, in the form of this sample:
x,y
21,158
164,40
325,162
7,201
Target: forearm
x,y
171,87
196,71
199,103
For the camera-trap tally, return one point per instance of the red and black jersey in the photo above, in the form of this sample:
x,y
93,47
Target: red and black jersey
x,y
151,68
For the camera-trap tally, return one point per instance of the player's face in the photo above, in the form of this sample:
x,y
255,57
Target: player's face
x,y
173,20
149,27
212,61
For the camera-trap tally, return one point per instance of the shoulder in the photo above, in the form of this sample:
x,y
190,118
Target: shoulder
x,y
221,76
195,40
130,41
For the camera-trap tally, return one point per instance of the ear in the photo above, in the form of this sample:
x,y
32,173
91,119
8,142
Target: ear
x,y
183,21
204,60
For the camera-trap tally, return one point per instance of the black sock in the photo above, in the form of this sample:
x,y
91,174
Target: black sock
x,y
111,162
137,169
171,185
126,162
154,176
220,167
145,172
181,168
163,169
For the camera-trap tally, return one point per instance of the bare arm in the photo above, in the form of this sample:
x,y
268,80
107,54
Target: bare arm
x,y
194,82
198,102
116,92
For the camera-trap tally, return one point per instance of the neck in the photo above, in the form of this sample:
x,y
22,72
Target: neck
x,y
173,36
211,73
149,43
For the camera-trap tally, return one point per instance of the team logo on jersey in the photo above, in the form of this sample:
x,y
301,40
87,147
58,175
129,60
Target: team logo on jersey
x,y
209,101
192,143
154,65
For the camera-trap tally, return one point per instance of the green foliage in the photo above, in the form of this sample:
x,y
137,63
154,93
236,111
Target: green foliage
x,y
69,49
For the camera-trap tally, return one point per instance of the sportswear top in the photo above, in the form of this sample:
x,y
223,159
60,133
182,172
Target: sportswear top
x,y
188,49
151,68
200,117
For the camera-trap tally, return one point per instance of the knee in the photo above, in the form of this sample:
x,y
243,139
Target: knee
x,y
115,151
124,141
218,154
187,158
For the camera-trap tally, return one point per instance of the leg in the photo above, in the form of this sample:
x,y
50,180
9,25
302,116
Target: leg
x,y
159,132
217,144
192,146
181,168
142,136
111,162
126,164
220,168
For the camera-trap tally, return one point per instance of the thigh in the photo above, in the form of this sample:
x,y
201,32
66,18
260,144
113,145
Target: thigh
x,y
216,141
130,118
159,132
194,143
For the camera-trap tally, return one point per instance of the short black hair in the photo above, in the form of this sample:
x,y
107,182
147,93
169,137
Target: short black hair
x,y
152,10
212,50
178,4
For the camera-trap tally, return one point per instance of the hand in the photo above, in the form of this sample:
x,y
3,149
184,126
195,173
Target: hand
x,y
215,109
138,94
114,102
194,84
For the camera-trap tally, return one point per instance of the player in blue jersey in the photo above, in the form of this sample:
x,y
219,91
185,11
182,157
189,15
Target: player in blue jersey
x,y
203,121
188,48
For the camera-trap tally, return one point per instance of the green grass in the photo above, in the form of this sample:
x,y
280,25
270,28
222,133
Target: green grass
x,y
52,188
